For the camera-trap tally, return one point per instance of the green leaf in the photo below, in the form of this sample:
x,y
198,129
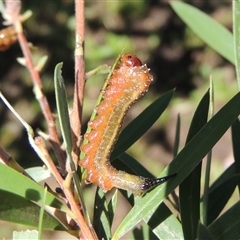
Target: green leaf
x,y
101,217
41,215
164,224
62,108
16,209
219,197
189,189
228,173
208,164
227,226
112,207
177,136
203,233
18,184
236,35
211,32
131,133
38,173
103,69
164,220
236,146
183,164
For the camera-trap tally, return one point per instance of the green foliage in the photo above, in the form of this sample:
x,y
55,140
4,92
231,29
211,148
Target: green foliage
x,y
22,198
189,189
212,33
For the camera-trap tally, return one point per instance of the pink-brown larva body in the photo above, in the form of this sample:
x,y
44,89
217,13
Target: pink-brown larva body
x,y
129,81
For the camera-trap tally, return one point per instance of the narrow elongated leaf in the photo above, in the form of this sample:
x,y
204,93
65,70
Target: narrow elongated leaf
x,y
112,207
220,196
211,32
102,69
228,173
18,184
164,220
164,224
227,226
177,136
62,106
208,165
16,209
101,217
236,146
141,124
236,35
189,189
167,224
203,233
183,164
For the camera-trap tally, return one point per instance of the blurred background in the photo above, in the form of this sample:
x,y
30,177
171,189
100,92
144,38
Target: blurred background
x,y
151,30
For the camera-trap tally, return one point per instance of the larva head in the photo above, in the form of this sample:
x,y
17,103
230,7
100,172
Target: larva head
x,y
130,60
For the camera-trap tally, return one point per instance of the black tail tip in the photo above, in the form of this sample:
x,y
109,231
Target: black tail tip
x,y
152,182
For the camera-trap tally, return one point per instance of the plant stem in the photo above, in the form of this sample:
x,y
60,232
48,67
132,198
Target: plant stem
x,y
13,17
76,114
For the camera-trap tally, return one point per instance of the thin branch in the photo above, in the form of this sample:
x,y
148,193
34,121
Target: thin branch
x,y
12,16
76,114
78,217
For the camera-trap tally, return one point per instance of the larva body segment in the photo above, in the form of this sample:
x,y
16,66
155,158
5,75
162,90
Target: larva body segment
x,y
129,81
8,36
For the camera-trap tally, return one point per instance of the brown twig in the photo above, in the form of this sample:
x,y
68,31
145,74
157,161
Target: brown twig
x,y
78,217
13,16
39,142
53,137
76,114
